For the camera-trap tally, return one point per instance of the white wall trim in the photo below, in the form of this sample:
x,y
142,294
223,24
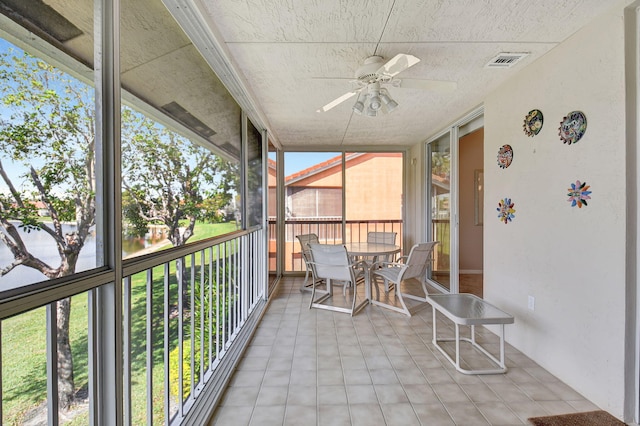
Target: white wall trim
x,y
632,320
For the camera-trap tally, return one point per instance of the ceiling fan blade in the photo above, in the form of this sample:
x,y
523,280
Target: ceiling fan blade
x,y
397,64
337,101
438,85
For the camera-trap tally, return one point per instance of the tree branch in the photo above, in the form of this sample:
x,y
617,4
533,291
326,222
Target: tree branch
x,y
56,233
22,256
7,181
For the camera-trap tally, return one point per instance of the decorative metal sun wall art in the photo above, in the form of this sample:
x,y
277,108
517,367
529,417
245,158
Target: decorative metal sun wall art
x,y
533,122
505,210
505,156
579,194
572,127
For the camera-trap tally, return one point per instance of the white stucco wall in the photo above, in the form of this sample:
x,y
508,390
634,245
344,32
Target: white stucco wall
x,y
571,260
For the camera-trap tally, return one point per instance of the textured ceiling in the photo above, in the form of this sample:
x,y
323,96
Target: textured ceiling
x,y
284,59
288,51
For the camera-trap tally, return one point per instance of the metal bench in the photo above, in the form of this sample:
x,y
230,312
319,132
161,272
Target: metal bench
x,y
467,309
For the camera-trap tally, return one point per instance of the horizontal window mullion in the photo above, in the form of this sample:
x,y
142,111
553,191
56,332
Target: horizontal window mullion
x,y
147,261
67,287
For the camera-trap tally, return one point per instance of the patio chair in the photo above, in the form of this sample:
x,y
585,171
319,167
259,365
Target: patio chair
x,y
305,240
381,238
331,264
377,238
413,266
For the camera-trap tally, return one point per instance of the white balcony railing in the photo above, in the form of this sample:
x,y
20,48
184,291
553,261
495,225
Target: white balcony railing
x,y
195,308
187,313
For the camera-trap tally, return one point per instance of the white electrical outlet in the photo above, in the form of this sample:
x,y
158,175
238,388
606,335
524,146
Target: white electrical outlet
x,y
531,303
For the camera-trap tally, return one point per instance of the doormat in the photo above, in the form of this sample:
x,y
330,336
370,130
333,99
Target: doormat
x,y
589,418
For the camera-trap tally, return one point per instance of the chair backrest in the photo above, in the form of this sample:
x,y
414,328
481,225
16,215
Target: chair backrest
x,y
305,240
417,261
382,237
331,262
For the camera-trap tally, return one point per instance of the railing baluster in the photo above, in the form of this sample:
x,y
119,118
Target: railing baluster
x,y
210,308
234,286
126,343
149,360
180,269
224,296
167,348
52,364
218,328
242,276
202,322
192,324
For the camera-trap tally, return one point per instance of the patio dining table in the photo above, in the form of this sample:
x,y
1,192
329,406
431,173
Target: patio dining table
x,y
371,250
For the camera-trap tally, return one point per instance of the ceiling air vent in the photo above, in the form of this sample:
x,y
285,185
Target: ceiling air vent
x,y
505,60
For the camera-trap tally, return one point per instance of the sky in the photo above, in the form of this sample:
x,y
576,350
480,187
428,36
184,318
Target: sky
x,y
296,161
15,170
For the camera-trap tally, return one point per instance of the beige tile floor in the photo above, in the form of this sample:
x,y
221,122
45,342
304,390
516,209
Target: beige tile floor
x,y
316,367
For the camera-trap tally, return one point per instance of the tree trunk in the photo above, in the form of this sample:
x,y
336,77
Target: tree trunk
x,y
66,386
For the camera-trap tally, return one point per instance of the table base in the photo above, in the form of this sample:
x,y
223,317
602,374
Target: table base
x,y
502,368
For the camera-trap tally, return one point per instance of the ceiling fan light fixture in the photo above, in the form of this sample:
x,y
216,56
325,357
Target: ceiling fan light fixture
x,y
372,112
358,107
375,103
388,101
374,73
391,105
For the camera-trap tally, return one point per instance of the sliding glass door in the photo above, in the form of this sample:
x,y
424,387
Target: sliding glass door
x,y
439,177
444,203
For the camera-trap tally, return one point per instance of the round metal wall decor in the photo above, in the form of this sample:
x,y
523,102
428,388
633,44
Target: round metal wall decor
x,y
505,156
533,122
572,127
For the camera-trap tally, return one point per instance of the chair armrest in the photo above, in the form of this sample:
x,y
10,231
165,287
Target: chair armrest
x,y
359,263
378,265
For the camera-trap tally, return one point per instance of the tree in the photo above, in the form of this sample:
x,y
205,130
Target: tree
x,y
49,131
169,179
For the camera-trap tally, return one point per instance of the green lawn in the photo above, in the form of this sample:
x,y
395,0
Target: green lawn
x,y
24,347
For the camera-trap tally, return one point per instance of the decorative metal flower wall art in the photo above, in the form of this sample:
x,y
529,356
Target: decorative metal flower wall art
x,y
533,122
505,156
572,127
579,194
505,210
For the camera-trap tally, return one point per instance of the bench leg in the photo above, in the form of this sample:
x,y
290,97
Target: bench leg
x,y
472,340
457,346
502,346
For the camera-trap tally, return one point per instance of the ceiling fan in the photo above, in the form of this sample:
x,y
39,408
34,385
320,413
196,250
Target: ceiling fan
x,y
374,99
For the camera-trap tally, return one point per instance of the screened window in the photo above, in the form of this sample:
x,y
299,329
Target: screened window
x,y
48,146
180,148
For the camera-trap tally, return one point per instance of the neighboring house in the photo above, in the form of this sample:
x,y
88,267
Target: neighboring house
x,y
42,208
373,192
371,179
